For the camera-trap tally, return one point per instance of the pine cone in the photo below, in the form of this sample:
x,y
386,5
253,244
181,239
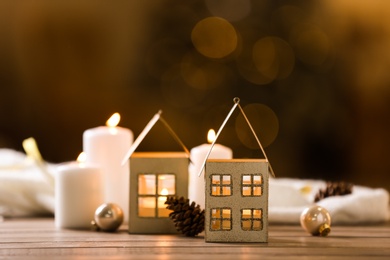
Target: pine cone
x,y
334,189
188,218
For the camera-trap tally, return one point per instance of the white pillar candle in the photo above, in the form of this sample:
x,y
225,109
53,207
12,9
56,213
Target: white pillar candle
x,y
196,184
106,146
78,193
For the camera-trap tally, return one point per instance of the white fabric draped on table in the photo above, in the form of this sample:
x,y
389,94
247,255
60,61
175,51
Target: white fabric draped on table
x,y
289,197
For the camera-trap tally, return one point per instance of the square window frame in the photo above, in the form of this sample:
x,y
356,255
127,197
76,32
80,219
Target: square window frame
x,y
156,195
221,219
252,184
220,186
251,219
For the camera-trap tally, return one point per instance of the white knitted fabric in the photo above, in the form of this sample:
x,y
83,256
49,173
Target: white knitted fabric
x,y
24,190
289,197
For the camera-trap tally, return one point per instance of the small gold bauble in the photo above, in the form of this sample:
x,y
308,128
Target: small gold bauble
x,y
316,221
108,217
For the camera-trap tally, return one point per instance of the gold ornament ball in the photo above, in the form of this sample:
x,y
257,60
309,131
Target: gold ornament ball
x,y
316,221
108,217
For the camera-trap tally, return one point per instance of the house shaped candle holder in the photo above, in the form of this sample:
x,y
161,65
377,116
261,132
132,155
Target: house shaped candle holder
x,y
236,195
153,177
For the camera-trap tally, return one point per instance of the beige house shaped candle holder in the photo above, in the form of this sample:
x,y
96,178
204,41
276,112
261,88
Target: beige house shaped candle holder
x,y
153,177
236,196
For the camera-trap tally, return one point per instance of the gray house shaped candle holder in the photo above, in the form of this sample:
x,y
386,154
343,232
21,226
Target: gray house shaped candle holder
x,y
236,196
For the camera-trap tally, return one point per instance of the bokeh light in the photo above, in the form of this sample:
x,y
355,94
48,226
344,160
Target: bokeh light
x,y
286,16
311,44
248,70
269,59
264,122
214,37
230,10
273,57
176,91
201,73
164,54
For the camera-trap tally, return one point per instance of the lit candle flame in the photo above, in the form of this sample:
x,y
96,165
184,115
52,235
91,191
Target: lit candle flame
x,y
113,120
82,158
161,199
211,136
164,191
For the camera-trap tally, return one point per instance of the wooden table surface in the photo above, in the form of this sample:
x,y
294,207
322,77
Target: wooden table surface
x,y
37,238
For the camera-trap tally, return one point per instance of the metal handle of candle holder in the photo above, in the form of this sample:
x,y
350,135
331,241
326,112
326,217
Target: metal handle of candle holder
x,y
145,131
236,101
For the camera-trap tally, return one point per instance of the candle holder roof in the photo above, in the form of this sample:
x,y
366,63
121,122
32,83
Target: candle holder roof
x,y
236,101
145,131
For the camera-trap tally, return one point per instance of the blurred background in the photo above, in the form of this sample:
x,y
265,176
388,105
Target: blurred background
x,y
312,77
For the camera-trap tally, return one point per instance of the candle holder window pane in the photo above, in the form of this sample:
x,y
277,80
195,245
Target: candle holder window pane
x,y
257,179
162,212
221,219
251,185
166,184
146,184
251,219
221,185
147,206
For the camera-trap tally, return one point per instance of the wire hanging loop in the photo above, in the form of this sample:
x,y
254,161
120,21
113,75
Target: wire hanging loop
x,y
236,101
148,127
257,140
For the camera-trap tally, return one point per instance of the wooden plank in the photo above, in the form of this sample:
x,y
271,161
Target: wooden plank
x,y
39,239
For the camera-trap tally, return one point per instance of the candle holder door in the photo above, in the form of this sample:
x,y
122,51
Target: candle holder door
x,y
153,177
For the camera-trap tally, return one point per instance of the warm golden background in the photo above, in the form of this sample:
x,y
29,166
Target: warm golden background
x,y
313,76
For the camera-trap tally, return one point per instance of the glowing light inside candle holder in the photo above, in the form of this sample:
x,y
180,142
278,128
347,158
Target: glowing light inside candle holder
x,y
164,191
162,210
221,219
251,219
147,206
152,194
166,184
147,184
